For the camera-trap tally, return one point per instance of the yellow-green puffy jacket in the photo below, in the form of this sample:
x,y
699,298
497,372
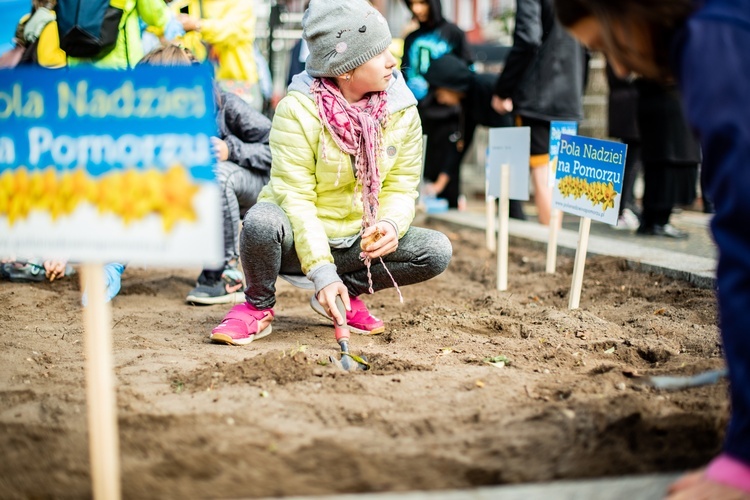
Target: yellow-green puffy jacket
x,y
303,183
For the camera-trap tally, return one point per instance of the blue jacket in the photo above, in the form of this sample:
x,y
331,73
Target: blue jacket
x,y
711,55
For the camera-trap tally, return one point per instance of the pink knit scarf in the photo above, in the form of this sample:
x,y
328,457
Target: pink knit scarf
x,y
357,130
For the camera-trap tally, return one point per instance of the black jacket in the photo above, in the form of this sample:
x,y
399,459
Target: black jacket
x,y
544,71
246,133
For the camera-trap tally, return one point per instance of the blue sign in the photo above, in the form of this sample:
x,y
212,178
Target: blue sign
x,y
103,120
556,130
109,165
588,179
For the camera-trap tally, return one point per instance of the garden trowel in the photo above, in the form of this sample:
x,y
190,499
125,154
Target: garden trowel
x,y
348,361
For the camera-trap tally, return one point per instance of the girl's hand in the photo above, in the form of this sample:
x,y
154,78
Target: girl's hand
x,y
221,150
379,240
327,298
54,269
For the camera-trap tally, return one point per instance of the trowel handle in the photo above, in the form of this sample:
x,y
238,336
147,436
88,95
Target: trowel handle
x,y
341,332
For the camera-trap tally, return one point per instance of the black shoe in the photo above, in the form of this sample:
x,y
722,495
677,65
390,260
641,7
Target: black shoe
x,y
227,289
666,230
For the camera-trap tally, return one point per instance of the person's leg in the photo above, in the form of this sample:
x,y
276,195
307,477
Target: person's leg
x,y
422,254
267,249
539,164
658,202
516,210
632,167
240,188
266,243
442,156
542,193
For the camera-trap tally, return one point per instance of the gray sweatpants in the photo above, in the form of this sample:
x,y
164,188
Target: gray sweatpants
x,y
268,250
240,188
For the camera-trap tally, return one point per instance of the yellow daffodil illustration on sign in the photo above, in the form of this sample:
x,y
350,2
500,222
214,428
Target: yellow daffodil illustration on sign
x,y
131,194
598,193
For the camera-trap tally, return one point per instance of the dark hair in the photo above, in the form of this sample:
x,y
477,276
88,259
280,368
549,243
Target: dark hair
x,y
661,19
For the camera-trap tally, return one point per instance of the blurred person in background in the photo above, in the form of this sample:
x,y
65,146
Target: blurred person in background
x,y
622,124
434,38
670,155
227,28
36,40
454,83
542,81
242,169
703,47
128,49
125,53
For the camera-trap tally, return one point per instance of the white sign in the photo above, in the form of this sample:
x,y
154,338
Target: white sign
x,y
509,145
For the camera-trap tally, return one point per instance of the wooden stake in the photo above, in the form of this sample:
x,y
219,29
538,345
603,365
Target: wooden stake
x,y
502,233
554,230
580,263
104,446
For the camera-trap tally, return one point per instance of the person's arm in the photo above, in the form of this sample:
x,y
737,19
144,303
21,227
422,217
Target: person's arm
x,y
716,107
247,143
153,12
527,38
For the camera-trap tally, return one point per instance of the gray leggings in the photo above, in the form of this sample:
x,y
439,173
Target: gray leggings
x,y
240,188
268,250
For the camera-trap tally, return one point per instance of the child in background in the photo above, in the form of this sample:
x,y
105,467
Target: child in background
x,y
446,147
244,162
703,46
346,144
453,83
32,270
35,270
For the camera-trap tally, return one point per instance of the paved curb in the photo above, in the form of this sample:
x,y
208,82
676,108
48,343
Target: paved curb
x,y
646,487
699,271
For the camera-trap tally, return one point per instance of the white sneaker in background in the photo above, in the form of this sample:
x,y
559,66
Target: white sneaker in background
x,y
627,221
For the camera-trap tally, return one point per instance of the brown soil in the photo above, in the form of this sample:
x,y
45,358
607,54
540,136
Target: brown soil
x,y
272,418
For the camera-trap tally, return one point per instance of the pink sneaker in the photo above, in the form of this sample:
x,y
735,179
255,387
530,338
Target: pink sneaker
x,y
240,325
358,319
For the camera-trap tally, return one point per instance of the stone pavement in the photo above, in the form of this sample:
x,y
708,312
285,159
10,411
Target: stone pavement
x,y
692,259
646,487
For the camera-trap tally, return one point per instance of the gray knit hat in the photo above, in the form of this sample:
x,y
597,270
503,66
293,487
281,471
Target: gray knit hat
x,y
341,35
